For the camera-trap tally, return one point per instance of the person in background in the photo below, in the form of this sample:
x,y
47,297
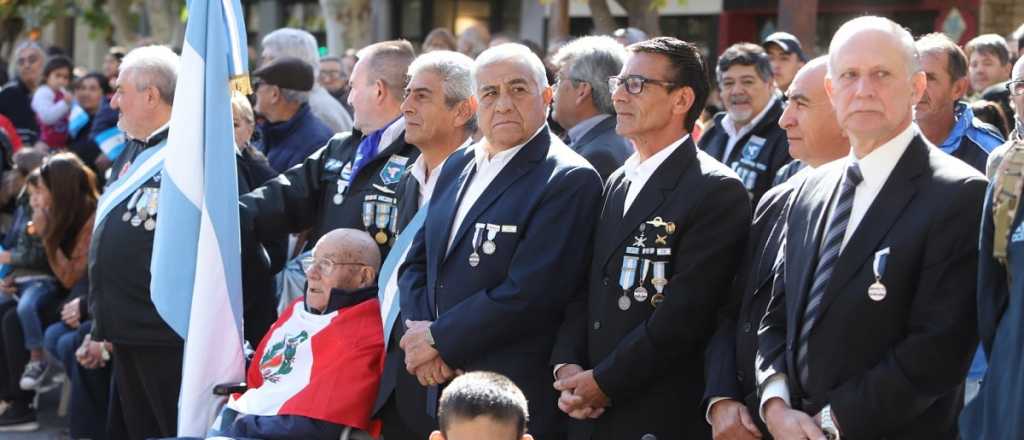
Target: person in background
x,y
112,64
16,95
786,56
302,45
473,40
439,39
52,103
333,77
992,113
988,58
91,93
482,405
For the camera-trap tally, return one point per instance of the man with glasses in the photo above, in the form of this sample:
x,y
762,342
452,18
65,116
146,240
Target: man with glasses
x,y
16,95
747,136
333,77
1015,87
317,369
630,356
583,102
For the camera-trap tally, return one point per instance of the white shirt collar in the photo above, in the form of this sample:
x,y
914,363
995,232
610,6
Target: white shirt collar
x,y
583,127
427,181
638,172
878,164
730,126
156,132
480,152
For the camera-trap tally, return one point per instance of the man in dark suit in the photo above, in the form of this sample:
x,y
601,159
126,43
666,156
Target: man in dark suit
x,y
870,329
440,115
504,247
747,136
814,138
671,231
583,101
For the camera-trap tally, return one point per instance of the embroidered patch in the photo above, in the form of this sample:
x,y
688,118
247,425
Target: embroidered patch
x,y
753,147
392,171
1018,234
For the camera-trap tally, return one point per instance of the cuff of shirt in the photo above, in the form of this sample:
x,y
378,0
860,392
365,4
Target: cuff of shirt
x,y
712,402
774,387
555,371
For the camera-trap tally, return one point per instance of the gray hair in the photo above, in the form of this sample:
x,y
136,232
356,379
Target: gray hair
x,y
940,44
155,66
26,44
296,43
513,52
852,27
592,60
294,96
457,71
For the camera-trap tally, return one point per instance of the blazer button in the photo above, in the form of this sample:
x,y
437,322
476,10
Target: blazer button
x,y
605,281
597,325
746,327
739,376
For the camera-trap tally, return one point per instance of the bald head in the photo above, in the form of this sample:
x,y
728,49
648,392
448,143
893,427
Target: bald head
x,y
350,245
810,120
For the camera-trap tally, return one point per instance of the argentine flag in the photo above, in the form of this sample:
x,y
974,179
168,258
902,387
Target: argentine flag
x,y
196,275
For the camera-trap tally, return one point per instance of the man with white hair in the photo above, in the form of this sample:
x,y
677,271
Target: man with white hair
x,y
583,101
16,95
870,329
502,250
302,45
147,351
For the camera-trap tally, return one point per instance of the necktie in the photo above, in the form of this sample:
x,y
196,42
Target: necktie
x,y
827,257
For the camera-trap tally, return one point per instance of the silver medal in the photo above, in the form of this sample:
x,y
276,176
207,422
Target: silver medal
x,y
877,291
640,294
489,247
149,224
136,221
338,198
127,216
474,259
624,302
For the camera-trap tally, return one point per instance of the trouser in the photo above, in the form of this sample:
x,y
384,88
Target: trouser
x,y
148,380
90,389
14,355
394,427
33,297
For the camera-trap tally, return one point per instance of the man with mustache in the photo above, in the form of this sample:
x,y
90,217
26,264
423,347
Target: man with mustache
x,y
945,119
747,136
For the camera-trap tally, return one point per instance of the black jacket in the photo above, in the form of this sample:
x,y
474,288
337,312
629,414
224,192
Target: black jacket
x,y
16,105
304,197
691,219
757,156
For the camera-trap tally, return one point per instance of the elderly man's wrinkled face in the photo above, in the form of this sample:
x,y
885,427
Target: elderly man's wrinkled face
x,y
985,69
331,267
30,65
809,120
133,103
332,76
744,93
872,88
428,118
512,105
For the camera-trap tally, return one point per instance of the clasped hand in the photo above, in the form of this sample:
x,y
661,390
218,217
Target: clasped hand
x,y
581,397
421,359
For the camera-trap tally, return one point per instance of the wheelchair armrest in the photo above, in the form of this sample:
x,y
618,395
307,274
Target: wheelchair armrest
x,y
227,389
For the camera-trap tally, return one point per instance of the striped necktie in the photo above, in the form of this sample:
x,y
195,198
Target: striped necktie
x,y
829,254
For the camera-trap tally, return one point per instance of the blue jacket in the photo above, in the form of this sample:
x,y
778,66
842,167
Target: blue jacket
x,y
287,143
971,140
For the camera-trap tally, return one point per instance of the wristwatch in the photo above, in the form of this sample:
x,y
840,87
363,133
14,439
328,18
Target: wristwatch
x,y
828,424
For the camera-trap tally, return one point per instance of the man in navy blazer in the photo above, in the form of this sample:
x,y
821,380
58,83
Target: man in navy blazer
x,y
504,247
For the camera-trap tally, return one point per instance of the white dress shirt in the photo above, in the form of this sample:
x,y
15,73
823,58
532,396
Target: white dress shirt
x,y
638,173
876,168
734,135
427,181
487,168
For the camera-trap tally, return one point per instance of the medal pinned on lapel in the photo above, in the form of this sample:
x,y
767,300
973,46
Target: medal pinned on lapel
x,y
383,217
131,206
489,247
877,290
474,258
640,293
627,277
659,281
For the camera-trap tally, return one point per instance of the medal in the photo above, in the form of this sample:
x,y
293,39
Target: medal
x,y
131,205
154,201
624,302
489,246
149,224
627,277
136,221
381,237
659,281
368,208
657,299
474,258
670,228
657,222
394,221
640,293
338,199
877,290
660,239
383,216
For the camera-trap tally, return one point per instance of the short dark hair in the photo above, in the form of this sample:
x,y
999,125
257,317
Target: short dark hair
x,y
482,393
745,54
99,77
689,70
956,65
388,61
57,62
989,44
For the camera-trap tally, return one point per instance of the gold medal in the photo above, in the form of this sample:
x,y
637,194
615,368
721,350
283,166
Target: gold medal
x,y
381,237
670,228
877,291
657,299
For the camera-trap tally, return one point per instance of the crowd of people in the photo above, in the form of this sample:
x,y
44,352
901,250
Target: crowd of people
x,y
620,238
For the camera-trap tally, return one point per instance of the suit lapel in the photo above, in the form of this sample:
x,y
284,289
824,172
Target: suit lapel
x,y
651,196
594,132
439,218
884,211
805,227
522,163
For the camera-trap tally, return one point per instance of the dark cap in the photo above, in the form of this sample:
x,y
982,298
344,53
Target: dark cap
x,y
287,73
787,42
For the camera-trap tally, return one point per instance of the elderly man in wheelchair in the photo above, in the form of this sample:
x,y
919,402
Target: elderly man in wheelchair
x,y
315,374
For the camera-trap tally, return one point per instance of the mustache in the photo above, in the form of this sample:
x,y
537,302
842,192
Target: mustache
x,y
740,100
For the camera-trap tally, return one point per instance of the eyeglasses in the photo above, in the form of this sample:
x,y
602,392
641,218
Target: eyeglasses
x,y
331,74
559,79
1016,88
324,265
31,59
635,83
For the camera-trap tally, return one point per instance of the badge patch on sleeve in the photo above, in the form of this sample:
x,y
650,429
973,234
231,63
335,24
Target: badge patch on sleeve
x,y
1018,234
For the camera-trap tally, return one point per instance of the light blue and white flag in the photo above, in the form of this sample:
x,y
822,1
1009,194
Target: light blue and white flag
x,y
111,142
77,119
196,275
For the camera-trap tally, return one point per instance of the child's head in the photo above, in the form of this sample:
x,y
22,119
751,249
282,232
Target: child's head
x,y
57,72
482,406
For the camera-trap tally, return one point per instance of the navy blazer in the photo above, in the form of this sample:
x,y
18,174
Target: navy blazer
x,y
503,314
603,148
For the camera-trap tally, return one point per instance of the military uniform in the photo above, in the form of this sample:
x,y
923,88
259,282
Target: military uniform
x,y
757,155
322,193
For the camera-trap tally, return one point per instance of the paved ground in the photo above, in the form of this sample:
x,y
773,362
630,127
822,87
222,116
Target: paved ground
x,y
51,426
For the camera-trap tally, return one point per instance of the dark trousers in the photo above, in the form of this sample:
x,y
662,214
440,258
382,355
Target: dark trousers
x,y
148,379
90,391
394,427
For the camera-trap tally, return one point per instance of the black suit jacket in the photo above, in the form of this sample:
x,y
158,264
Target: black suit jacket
x,y
893,368
757,156
603,148
649,359
503,314
730,356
